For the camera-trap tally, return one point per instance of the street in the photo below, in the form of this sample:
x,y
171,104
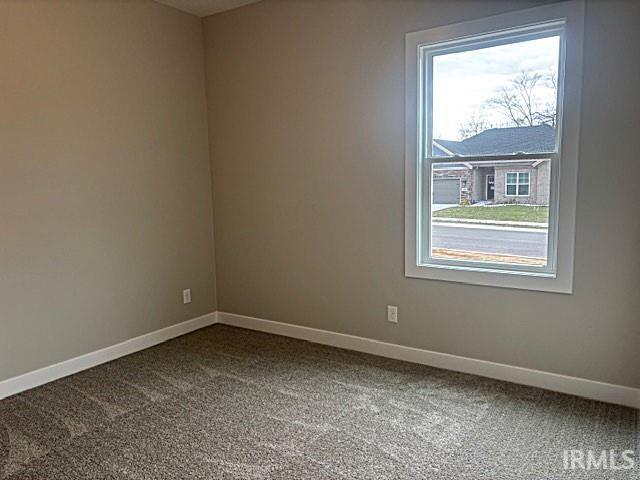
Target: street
x,y
524,242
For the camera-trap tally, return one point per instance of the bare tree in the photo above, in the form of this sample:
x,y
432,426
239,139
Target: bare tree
x,y
520,102
476,124
547,114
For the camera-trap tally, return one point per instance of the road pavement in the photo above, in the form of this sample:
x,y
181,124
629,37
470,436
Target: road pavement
x,y
526,242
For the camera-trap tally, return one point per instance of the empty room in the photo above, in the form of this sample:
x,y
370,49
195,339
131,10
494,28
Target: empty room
x,y
319,239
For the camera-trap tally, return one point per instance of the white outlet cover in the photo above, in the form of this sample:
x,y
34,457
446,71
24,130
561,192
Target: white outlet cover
x,y
186,296
392,313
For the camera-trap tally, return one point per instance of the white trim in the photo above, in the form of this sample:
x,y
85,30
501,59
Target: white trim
x,y
538,162
438,167
48,374
581,387
445,150
557,275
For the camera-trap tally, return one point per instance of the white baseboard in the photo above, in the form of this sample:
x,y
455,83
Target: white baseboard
x,y
604,392
68,367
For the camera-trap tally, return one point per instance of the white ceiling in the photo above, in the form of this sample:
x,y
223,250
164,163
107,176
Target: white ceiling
x,y
203,8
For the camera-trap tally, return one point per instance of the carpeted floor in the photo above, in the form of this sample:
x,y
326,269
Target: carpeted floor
x,y
227,403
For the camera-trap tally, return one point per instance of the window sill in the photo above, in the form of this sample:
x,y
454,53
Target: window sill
x,y
492,277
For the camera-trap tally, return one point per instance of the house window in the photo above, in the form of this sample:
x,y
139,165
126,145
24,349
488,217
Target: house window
x,y
492,117
517,184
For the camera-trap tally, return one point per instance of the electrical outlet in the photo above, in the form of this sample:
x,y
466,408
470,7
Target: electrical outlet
x,y
186,296
392,314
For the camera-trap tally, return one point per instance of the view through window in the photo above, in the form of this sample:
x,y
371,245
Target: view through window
x,y
491,128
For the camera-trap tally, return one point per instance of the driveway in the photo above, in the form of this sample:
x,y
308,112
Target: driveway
x,y
507,241
441,206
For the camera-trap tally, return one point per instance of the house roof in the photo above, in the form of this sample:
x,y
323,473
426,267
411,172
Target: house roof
x,y
500,141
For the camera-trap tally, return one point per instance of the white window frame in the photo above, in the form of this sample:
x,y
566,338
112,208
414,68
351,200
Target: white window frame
x,y
557,275
517,184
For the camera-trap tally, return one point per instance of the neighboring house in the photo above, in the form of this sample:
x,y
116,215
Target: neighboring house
x,y
524,181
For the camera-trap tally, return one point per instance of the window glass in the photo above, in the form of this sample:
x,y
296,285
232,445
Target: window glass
x,y
491,99
486,101
505,222
497,100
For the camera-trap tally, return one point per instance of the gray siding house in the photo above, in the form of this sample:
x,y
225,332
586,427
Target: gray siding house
x,y
522,182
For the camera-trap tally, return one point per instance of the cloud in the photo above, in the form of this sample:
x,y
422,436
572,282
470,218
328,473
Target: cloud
x,y
463,81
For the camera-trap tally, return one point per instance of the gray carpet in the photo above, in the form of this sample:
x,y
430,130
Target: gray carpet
x,y
227,403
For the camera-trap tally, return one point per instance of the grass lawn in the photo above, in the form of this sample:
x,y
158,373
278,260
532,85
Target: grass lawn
x,y
519,213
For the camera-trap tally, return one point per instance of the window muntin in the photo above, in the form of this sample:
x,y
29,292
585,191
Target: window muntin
x,y
517,184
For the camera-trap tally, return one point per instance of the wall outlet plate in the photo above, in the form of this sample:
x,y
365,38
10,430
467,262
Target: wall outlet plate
x,y
186,296
392,314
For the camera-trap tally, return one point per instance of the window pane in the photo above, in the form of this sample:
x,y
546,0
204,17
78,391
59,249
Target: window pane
x,y
524,178
511,177
474,218
498,100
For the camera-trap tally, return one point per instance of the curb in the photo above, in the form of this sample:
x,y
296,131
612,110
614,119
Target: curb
x,y
498,223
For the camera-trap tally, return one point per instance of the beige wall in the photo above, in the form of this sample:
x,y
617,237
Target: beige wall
x,y
105,199
306,108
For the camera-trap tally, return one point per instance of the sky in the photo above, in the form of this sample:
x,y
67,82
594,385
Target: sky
x,y
462,82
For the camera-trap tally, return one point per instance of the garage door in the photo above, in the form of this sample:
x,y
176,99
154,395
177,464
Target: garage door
x,y
446,190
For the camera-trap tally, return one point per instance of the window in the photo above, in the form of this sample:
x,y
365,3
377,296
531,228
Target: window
x,y
492,118
517,184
